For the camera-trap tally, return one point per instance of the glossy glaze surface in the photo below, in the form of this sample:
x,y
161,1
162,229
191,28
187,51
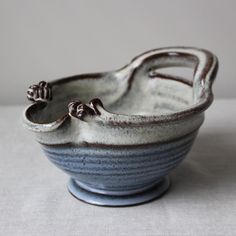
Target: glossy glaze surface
x,y
119,133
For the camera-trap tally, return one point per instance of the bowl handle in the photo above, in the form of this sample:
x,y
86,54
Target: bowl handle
x,y
204,63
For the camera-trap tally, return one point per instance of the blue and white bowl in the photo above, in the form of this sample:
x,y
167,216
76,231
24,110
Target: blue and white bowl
x,y
119,134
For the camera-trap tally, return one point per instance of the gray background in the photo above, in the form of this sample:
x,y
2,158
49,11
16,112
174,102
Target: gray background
x,y
44,40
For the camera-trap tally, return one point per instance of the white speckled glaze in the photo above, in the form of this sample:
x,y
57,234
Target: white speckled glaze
x,y
136,106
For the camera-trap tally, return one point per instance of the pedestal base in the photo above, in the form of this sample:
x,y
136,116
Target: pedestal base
x,y
127,200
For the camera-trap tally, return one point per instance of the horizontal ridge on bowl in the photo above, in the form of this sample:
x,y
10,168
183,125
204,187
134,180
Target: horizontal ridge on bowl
x,y
116,169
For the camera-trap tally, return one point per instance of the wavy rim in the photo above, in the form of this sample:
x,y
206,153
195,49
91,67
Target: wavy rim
x,y
209,71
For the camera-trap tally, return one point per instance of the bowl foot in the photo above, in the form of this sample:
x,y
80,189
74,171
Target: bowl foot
x,y
127,200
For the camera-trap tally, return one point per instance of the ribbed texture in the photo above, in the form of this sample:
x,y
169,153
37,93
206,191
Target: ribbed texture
x,y
120,169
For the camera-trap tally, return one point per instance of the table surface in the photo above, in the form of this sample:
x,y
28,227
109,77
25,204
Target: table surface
x,y
202,199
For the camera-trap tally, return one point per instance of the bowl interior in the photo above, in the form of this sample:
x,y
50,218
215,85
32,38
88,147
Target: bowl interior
x,y
147,96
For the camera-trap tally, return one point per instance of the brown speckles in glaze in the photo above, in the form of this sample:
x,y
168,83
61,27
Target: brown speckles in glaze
x,y
113,113
143,131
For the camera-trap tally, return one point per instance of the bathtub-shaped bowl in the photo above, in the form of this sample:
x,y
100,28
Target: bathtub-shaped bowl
x,y
118,134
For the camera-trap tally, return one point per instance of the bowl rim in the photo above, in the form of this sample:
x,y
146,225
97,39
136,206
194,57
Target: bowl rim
x,y
205,58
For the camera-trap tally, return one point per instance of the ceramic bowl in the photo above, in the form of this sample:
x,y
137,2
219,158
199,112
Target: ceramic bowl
x,y
118,134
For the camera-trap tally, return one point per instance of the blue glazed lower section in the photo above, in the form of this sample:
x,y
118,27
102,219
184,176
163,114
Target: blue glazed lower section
x,y
117,170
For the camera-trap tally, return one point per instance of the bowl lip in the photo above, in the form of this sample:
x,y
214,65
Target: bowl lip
x,y
115,119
